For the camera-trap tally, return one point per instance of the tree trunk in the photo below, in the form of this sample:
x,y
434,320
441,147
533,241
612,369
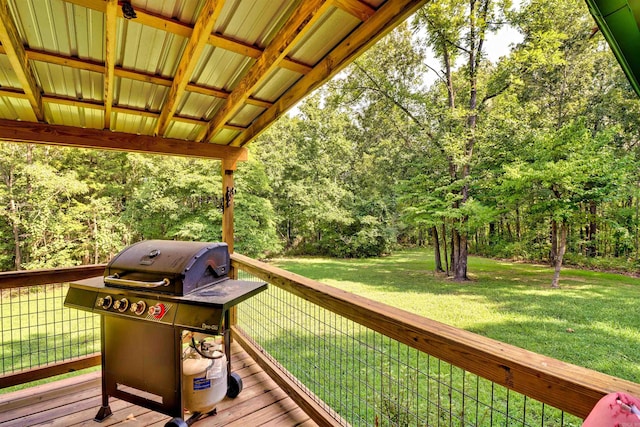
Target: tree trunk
x,y
17,260
459,253
436,249
636,227
96,249
562,246
593,228
493,233
460,271
14,219
554,242
444,243
518,232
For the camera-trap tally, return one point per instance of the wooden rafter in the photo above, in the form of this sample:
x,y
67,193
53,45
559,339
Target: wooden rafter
x,y
96,105
97,67
254,52
295,28
69,136
14,50
235,93
201,31
360,10
226,43
111,15
355,7
364,36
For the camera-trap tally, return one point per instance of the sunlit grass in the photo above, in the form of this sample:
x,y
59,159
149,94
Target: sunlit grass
x,y
590,321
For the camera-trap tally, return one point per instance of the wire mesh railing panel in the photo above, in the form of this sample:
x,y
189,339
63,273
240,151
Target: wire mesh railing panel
x,y
37,330
369,379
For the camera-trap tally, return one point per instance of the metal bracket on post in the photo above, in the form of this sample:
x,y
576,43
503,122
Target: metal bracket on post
x,y
228,197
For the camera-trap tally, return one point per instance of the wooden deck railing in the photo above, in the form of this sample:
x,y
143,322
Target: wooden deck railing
x,y
17,279
571,389
32,278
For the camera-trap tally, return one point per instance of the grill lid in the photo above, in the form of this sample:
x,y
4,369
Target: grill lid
x,y
169,266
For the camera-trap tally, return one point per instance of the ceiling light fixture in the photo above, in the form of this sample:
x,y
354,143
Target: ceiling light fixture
x,y
127,10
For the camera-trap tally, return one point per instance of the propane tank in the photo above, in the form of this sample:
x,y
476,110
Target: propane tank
x,y
204,376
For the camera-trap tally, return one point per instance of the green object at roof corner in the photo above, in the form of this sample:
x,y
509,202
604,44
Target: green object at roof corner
x,y
619,21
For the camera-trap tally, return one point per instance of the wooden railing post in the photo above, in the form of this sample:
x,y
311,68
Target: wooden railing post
x,y
228,192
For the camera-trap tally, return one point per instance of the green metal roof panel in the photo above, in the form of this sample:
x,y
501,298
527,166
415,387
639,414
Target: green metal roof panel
x,y
608,7
619,22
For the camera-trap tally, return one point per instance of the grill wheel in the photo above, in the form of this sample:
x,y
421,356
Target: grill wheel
x,y
235,385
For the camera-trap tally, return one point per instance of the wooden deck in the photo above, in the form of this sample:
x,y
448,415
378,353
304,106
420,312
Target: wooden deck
x,y
75,401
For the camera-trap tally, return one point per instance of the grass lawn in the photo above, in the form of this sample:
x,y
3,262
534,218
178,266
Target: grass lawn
x,y
591,321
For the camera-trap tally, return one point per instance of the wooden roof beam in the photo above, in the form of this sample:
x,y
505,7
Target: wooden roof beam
x,y
17,56
360,10
111,16
295,28
104,139
83,64
96,105
182,29
217,40
384,20
201,31
191,87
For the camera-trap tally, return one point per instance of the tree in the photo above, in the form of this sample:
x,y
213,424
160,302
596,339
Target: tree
x,y
457,29
566,169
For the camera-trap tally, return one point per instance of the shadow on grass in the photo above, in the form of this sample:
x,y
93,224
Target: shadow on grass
x,y
590,321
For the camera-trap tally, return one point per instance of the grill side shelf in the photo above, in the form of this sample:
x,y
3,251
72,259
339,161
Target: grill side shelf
x,y
202,318
82,299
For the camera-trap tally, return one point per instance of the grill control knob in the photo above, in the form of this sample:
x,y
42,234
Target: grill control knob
x,y
104,302
139,307
121,305
157,310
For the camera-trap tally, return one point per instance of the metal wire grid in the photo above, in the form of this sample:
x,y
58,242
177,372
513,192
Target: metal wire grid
x,y
372,380
38,330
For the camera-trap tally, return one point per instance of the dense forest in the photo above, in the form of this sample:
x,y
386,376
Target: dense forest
x,y
422,140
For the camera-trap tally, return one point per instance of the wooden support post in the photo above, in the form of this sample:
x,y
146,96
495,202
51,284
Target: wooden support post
x,y
228,192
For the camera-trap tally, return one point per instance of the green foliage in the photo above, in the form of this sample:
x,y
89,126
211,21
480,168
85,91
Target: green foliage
x,y
255,225
384,153
63,207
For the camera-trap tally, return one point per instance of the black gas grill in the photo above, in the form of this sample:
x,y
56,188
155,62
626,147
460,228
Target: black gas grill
x,y
150,294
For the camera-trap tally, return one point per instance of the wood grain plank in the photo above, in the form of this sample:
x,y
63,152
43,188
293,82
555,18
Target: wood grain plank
x,y
51,370
43,392
12,44
375,27
73,417
201,31
16,279
69,136
242,408
294,417
111,39
295,28
52,409
268,414
75,401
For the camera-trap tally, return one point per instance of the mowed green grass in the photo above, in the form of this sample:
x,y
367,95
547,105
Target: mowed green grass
x,y
593,320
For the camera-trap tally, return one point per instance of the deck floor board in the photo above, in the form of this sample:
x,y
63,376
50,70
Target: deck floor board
x,y
75,402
